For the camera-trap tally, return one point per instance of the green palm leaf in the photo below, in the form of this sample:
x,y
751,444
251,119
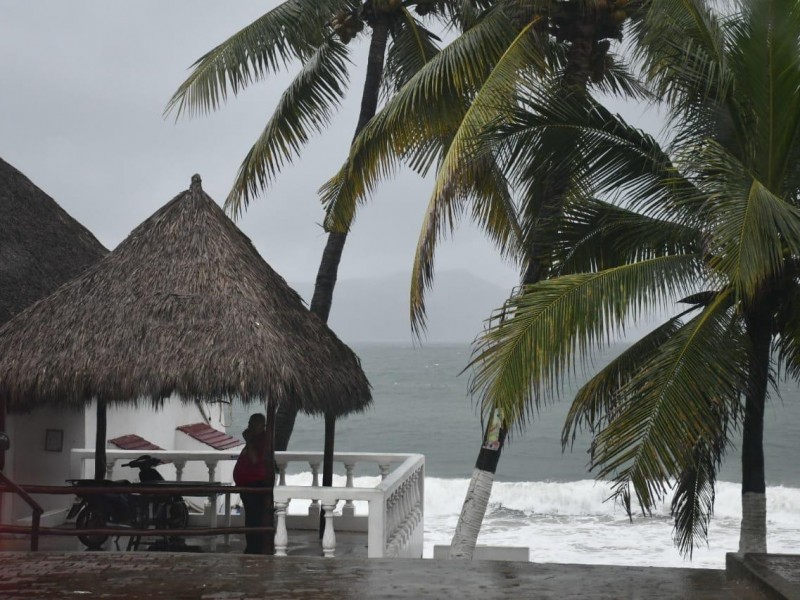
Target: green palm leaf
x,y
412,46
672,402
769,106
421,117
596,403
292,30
749,226
693,498
306,106
535,339
595,235
466,171
492,208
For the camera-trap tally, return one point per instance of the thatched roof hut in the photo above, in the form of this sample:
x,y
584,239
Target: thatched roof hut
x,y
184,305
41,246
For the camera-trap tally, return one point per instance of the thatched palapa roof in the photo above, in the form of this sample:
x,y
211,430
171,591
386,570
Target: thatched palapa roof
x,y
184,305
41,246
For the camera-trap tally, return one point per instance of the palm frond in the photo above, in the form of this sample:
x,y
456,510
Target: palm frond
x,y
681,45
534,341
292,30
596,403
750,228
419,119
305,107
787,338
673,402
597,150
493,209
764,51
595,235
693,498
412,46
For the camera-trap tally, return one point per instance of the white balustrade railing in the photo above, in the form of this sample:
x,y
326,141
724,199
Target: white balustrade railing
x,y
394,521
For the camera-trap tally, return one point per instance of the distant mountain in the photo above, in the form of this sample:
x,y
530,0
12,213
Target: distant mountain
x,y
377,309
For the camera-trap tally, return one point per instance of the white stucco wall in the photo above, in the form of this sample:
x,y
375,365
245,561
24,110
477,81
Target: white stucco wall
x,y
29,462
156,425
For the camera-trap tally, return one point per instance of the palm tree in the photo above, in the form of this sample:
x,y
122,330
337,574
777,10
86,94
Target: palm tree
x,y
473,84
318,35
713,223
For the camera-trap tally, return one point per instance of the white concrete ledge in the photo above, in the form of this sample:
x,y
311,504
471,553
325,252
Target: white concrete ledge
x,y
505,553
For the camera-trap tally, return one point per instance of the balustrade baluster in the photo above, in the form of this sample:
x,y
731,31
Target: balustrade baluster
x,y
179,466
329,536
281,535
349,509
384,470
281,474
110,467
313,509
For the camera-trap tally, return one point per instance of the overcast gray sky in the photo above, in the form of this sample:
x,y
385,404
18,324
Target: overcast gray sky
x,y
84,84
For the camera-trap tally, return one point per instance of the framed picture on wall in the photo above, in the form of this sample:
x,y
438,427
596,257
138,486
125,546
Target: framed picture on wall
x,y
54,440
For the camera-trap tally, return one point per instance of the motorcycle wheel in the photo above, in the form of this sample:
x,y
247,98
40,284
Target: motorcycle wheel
x,y
91,519
178,514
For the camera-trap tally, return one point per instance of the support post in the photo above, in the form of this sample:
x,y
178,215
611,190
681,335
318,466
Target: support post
x,y
269,509
281,535
327,463
100,442
2,429
329,538
2,449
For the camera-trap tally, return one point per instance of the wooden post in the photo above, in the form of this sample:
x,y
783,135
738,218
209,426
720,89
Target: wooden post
x,y
327,463
2,451
269,508
2,429
100,442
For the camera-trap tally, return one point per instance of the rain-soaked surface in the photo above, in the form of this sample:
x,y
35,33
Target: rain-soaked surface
x,y
176,576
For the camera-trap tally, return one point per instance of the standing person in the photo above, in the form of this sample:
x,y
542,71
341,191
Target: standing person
x,y
251,471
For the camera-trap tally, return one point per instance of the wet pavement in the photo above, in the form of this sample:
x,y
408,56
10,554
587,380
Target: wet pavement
x,y
162,576
777,574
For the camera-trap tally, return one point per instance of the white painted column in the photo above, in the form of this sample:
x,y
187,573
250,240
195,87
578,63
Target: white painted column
x,y
376,527
179,466
313,508
329,536
349,509
281,535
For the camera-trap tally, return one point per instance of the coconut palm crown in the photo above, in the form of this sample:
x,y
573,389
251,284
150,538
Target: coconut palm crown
x,y
318,35
713,221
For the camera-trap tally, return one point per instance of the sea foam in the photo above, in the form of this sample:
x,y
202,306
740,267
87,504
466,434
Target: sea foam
x,y
571,522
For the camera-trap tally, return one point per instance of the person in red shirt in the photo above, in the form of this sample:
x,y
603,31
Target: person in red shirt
x,y
251,471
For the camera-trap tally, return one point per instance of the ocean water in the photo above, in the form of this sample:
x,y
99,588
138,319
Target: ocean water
x,y
543,498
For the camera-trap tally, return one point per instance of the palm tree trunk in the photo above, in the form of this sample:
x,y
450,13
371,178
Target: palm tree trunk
x,y
477,499
332,254
100,442
575,81
753,532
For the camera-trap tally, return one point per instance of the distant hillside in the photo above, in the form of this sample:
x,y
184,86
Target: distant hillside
x,y
376,310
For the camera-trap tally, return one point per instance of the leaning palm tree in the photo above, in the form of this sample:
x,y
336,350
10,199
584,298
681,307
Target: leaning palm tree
x,y
318,35
713,223
476,83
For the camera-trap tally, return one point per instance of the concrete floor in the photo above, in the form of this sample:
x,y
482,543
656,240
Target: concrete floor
x,y
162,576
301,543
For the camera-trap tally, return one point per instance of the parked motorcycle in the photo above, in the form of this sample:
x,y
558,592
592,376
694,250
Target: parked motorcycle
x,y
137,511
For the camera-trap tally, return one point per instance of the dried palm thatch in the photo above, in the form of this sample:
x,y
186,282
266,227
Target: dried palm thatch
x,y
41,246
184,305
